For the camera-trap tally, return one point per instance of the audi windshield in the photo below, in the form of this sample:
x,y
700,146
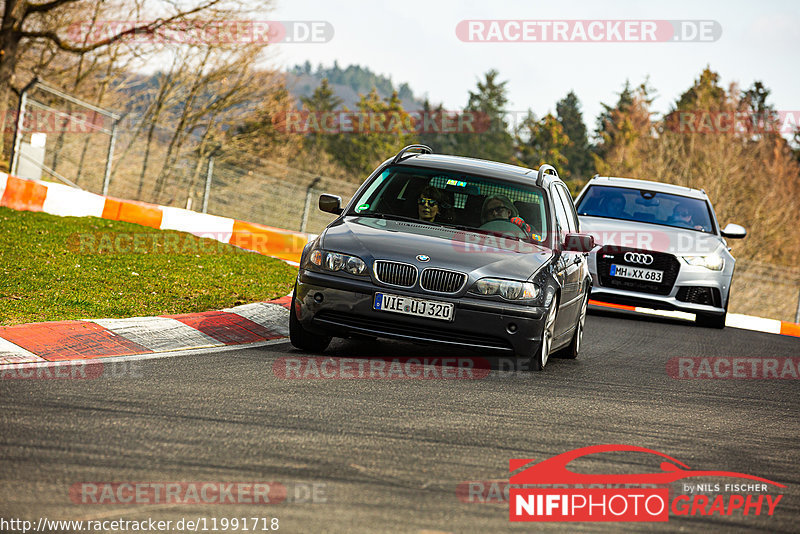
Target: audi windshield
x,y
444,198
647,207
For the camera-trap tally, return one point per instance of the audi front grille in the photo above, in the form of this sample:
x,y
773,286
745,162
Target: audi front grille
x,y
394,273
442,281
637,258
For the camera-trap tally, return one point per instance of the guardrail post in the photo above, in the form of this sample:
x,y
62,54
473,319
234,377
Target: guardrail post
x,y
109,157
307,207
17,140
797,313
207,192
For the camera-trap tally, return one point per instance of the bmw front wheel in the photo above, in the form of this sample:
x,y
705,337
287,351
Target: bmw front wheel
x,y
571,351
539,359
302,338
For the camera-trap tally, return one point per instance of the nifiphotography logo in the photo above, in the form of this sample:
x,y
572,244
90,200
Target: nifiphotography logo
x,y
625,497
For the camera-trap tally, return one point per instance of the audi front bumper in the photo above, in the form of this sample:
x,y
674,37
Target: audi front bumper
x,y
692,282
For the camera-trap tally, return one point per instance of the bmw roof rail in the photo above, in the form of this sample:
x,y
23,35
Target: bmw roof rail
x,y
545,169
423,149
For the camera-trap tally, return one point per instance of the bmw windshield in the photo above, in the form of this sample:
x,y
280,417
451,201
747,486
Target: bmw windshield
x,y
435,197
644,206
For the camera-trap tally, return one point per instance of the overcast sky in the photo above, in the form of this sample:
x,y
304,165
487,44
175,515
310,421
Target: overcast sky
x,y
416,42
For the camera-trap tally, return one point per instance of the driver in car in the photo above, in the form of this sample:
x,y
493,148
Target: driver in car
x,y
500,207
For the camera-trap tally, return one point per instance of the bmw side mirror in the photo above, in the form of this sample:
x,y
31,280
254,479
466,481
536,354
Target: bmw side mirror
x,y
734,231
579,242
330,203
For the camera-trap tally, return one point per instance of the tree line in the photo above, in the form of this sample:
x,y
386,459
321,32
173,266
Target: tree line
x,y
205,99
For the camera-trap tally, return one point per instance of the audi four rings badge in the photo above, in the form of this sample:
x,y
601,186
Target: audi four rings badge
x,y
635,257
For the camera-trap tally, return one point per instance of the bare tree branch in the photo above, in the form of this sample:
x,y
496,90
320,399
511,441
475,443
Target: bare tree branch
x,y
45,7
148,28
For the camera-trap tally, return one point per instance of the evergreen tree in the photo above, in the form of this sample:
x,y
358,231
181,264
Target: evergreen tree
x,y
323,99
624,132
761,116
704,107
704,95
386,129
431,131
487,106
577,153
624,102
542,141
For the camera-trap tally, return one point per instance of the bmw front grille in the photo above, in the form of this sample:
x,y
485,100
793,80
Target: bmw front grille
x,y
394,273
442,281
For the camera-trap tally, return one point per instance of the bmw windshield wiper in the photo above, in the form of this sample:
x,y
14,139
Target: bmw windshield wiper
x,y
462,227
391,217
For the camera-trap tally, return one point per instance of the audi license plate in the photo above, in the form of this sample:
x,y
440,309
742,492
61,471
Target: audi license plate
x,y
430,309
636,273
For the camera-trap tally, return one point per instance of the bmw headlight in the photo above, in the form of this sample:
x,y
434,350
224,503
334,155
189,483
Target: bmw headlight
x,y
715,262
334,261
508,289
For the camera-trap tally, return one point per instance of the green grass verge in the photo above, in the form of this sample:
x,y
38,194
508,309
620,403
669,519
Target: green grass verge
x,y
56,268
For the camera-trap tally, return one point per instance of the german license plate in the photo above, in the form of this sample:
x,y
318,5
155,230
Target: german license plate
x,y
430,309
636,273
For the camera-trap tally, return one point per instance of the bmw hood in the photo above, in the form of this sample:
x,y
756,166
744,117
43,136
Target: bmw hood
x,y
655,237
474,253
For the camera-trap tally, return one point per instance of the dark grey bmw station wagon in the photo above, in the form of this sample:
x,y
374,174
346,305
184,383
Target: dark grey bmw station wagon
x,y
452,250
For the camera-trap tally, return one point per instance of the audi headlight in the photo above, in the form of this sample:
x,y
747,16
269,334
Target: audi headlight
x,y
715,262
508,289
334,261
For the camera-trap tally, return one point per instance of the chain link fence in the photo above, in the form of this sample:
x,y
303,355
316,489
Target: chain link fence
x,y
766,290
61,138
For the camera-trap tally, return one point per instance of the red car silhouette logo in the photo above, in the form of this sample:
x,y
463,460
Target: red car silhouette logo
x,y
554,470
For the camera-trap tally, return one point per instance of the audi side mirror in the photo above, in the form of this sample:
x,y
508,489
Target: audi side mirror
x,y
330,203
579,242
734,231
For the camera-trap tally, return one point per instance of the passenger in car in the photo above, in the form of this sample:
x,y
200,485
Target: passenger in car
x,y
430,204
681,216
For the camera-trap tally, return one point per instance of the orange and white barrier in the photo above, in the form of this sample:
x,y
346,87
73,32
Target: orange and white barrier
x,y
734,320
58,199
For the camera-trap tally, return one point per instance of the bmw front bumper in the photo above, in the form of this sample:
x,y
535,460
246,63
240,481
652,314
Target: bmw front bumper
x,y
343,307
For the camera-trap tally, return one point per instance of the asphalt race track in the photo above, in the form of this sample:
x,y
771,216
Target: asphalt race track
x,y
389,455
